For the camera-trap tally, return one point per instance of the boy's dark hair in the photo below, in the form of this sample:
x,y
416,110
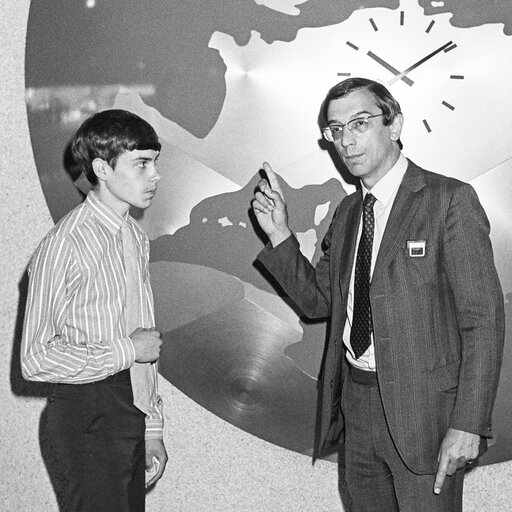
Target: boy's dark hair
x,y
385,100
107,135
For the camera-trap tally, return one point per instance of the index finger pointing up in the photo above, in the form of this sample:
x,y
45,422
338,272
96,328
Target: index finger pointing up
x,y
272,178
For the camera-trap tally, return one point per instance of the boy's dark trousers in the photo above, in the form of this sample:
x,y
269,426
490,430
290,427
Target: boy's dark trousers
x,y
97,437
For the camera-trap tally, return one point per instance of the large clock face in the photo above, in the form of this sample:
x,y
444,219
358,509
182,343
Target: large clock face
x,y
435,70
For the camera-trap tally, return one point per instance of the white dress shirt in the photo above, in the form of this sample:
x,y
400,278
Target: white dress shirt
x,y
384,191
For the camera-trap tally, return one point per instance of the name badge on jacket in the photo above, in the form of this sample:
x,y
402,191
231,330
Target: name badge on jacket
x,y
416,248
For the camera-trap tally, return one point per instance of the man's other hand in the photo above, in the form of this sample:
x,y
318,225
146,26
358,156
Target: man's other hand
x,y
457,449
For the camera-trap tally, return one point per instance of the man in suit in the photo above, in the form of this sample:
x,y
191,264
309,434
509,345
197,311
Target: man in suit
x,y
416,331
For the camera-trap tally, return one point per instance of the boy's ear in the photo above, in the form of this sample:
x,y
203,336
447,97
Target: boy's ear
x,y
100,168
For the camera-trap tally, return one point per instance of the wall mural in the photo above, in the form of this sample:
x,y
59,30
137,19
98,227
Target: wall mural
x,y
230,84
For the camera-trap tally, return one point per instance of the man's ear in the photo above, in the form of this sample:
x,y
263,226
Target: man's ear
x,y
396,127
101,169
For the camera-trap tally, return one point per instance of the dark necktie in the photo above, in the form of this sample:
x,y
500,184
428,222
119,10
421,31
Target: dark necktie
x,y
360,333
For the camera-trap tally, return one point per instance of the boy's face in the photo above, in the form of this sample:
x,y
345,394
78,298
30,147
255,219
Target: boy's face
x,y
132,182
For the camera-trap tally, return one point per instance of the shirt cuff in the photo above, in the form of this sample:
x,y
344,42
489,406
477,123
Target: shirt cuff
x,y
123,353
268,254
154,428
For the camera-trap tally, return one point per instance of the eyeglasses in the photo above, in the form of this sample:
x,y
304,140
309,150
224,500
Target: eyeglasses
x,y
357,126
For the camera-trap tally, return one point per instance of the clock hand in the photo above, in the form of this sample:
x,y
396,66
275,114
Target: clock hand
x,y
389,67
402,75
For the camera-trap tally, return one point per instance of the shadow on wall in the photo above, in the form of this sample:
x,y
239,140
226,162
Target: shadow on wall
x,y
23,388
20,386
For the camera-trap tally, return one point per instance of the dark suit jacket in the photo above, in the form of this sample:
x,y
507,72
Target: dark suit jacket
x,y
438,319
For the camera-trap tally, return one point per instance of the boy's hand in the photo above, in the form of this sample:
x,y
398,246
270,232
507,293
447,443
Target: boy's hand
x,y
156,459
147,344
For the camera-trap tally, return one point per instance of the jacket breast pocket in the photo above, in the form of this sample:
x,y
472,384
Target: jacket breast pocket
x,y
446,378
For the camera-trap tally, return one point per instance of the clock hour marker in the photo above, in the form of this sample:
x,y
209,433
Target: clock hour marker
x,y
427,126
446,50
457,77
352,45
429,28
373,25
402,16
447,105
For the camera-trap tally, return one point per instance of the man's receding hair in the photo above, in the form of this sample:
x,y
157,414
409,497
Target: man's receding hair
x,y
107,135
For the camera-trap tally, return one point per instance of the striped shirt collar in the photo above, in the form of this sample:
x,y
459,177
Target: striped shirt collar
x,y
106,215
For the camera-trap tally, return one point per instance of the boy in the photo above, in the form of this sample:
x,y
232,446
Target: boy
x,y
89,323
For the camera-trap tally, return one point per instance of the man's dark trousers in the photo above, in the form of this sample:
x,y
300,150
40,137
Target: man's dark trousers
x,y
377,478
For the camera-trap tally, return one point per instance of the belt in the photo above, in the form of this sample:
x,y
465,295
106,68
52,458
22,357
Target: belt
x,y
122,376
367,378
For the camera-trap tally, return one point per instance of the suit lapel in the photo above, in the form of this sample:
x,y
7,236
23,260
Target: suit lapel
x,y
348,243
402,213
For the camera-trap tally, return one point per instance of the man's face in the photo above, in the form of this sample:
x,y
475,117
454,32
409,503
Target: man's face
x,y
132,181
369,155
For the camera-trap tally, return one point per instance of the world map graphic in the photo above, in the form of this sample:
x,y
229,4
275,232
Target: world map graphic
x,y
230,84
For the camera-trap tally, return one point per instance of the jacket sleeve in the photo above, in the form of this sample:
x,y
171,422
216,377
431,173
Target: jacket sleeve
x,y
479,306
309,287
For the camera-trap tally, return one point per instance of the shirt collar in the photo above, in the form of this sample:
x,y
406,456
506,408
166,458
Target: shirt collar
x,y
384,189
106,215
